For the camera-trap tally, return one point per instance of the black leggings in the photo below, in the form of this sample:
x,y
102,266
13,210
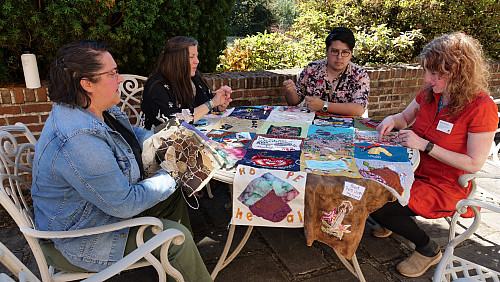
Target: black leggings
x,y
397,218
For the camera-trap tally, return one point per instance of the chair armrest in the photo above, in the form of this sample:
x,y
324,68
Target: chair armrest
x,y
164,238
157,227
463,204
465,178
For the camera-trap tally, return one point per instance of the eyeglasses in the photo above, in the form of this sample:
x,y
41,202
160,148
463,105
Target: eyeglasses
x,y
335,53
113,72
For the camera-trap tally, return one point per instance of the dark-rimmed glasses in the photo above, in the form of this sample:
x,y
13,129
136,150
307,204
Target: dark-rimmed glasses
x,y
335,53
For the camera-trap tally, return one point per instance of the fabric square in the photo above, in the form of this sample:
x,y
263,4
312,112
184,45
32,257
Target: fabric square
x,y
238,125
328,147
331,133
391,138
397,177
252,185
276,143
251,112
284,129
336,219
366,124
326,119
381,152
288,161
330,165
271,207
291,115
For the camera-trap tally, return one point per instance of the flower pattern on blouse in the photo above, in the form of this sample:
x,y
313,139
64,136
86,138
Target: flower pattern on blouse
x,y
353,88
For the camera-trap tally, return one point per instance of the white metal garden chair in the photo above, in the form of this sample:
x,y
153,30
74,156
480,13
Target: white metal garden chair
x,y
16,158
452,267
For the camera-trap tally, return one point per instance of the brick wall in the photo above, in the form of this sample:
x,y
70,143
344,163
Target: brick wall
x,y
392,89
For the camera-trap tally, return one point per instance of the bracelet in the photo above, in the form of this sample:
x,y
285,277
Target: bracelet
x,y
429,147
209,106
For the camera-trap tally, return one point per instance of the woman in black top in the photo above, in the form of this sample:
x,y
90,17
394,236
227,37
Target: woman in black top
x,y
175,84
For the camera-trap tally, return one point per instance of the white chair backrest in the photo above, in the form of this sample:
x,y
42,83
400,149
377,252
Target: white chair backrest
x,y
131,96
16,160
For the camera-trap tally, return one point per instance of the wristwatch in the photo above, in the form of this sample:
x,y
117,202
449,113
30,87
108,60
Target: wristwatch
x,y
325,107
428,147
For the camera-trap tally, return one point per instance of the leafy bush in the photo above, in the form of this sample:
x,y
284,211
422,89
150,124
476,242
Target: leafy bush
x,y
387,31
136,30
250,17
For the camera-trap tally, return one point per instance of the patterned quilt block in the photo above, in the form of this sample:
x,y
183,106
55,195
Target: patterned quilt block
x,y
276,143
289,160
284,129
381,152
251,112
238,125
391,138
328,147
397,177
329,165
291,115
331,133
268,198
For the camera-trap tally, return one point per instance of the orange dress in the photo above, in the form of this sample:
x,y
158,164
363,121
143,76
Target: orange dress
x,y
436,191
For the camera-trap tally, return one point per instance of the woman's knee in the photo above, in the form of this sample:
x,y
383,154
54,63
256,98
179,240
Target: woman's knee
x,y
167,224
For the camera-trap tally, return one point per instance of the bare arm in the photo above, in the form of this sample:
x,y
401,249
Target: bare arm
x,y
291,96
399,121
345,109
478,147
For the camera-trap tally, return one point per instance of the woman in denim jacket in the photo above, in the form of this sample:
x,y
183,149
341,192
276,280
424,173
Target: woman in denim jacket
x,y
87,170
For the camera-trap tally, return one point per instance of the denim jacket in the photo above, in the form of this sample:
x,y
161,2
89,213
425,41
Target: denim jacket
x,y
85,175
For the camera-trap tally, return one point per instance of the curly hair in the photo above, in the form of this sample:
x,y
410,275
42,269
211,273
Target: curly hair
x,y
73,62
460,58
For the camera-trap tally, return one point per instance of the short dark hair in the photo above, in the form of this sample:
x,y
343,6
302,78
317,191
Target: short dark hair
x,y
73,62
343,34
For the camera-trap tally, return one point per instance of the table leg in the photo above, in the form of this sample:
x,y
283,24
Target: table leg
x,y
224,260
353,268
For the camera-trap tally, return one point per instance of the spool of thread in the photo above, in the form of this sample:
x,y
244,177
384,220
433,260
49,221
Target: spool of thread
x,y
30,70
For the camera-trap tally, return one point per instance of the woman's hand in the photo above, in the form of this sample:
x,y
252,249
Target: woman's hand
x,y
222,97
385,127
409,139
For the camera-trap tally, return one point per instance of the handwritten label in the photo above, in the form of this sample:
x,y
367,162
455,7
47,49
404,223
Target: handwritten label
x,y
354,191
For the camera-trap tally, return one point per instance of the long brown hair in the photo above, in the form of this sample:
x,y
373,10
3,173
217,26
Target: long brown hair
x,y
460,58
173,64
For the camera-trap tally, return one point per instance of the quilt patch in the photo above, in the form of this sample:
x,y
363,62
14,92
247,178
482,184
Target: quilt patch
x,y
372,137
397,177
381,152
272,159
324,119
268,198
284,129
239,125
331,133
206,124
366,124
328,147
276,143
251,112
291,115
329,165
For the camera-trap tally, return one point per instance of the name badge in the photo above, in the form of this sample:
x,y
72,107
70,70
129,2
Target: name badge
x,y
445,126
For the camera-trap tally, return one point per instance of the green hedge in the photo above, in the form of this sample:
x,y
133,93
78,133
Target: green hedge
x,y
387,31
136,30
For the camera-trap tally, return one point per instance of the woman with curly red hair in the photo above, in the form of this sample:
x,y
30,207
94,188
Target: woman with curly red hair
x,y
453,123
